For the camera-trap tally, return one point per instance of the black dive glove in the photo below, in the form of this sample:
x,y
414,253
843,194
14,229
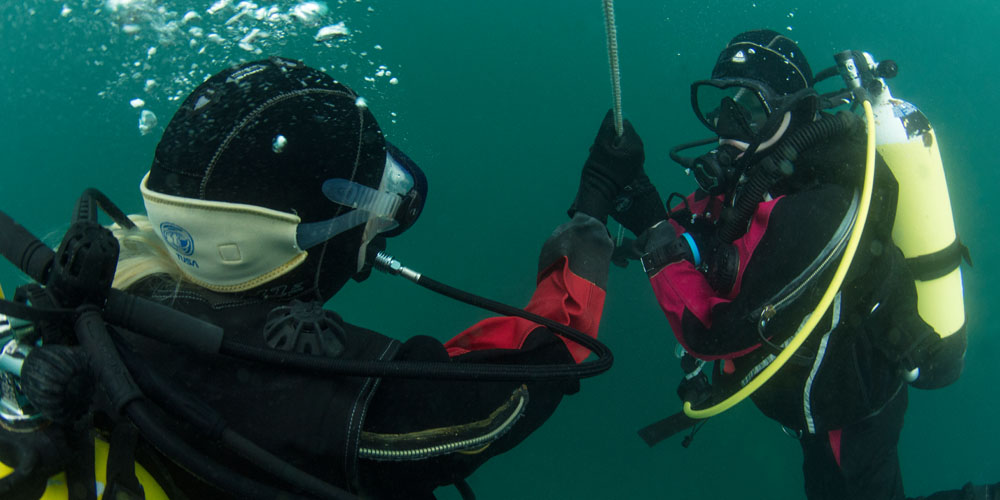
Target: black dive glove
x,y
926,360
657,247
639,206
585,242
613,163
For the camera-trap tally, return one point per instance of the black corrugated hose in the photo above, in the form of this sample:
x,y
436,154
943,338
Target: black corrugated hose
x,y
778,165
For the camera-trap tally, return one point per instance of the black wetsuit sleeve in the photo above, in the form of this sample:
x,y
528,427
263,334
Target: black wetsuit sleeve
x,y
407,406
573,269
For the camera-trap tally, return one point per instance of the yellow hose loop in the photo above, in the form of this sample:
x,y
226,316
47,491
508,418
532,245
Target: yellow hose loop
x,y
825,301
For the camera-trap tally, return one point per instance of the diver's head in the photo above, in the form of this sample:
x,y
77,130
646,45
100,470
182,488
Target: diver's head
x,y
761,88
273,178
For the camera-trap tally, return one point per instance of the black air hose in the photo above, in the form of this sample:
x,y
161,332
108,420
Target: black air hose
x,y
443,370
777,165
91,200
24,250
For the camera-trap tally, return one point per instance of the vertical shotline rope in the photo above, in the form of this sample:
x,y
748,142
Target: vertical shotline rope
x,y
616,89
616,84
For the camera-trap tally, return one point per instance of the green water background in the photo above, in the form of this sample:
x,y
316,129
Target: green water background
x,y
498,102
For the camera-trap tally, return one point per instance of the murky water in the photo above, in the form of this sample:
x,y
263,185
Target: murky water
x,y
498,102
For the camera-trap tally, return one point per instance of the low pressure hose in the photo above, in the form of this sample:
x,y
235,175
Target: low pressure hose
x,y
438,370
428,370
735,222
804,138
384,262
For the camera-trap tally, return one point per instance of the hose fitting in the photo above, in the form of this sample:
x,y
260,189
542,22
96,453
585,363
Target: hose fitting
x,y
389,265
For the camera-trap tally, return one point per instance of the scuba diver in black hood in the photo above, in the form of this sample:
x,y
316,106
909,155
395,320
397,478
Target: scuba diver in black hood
x,y
743,263
271,187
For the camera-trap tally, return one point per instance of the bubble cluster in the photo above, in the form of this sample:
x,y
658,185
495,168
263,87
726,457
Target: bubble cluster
x,y
157,53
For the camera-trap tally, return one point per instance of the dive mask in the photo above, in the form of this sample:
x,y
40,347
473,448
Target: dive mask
x,y
747,113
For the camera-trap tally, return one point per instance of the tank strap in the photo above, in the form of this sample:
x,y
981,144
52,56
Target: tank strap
x,y
121,480
80,465
934,265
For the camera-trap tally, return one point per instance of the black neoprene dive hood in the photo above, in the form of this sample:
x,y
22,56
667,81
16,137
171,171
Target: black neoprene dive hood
x,y
767,56
268,133
767,77
760,89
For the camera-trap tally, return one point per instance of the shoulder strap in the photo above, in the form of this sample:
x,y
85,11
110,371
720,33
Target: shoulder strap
x,y
121,481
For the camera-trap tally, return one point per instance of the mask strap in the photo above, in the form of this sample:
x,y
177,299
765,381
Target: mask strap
x,y
367,203
313,233
359,196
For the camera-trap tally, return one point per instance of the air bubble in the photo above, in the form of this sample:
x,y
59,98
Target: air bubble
x,y
147,121
278,144
331,32
217,6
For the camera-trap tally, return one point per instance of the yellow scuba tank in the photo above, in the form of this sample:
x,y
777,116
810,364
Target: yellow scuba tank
x,y
924,228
